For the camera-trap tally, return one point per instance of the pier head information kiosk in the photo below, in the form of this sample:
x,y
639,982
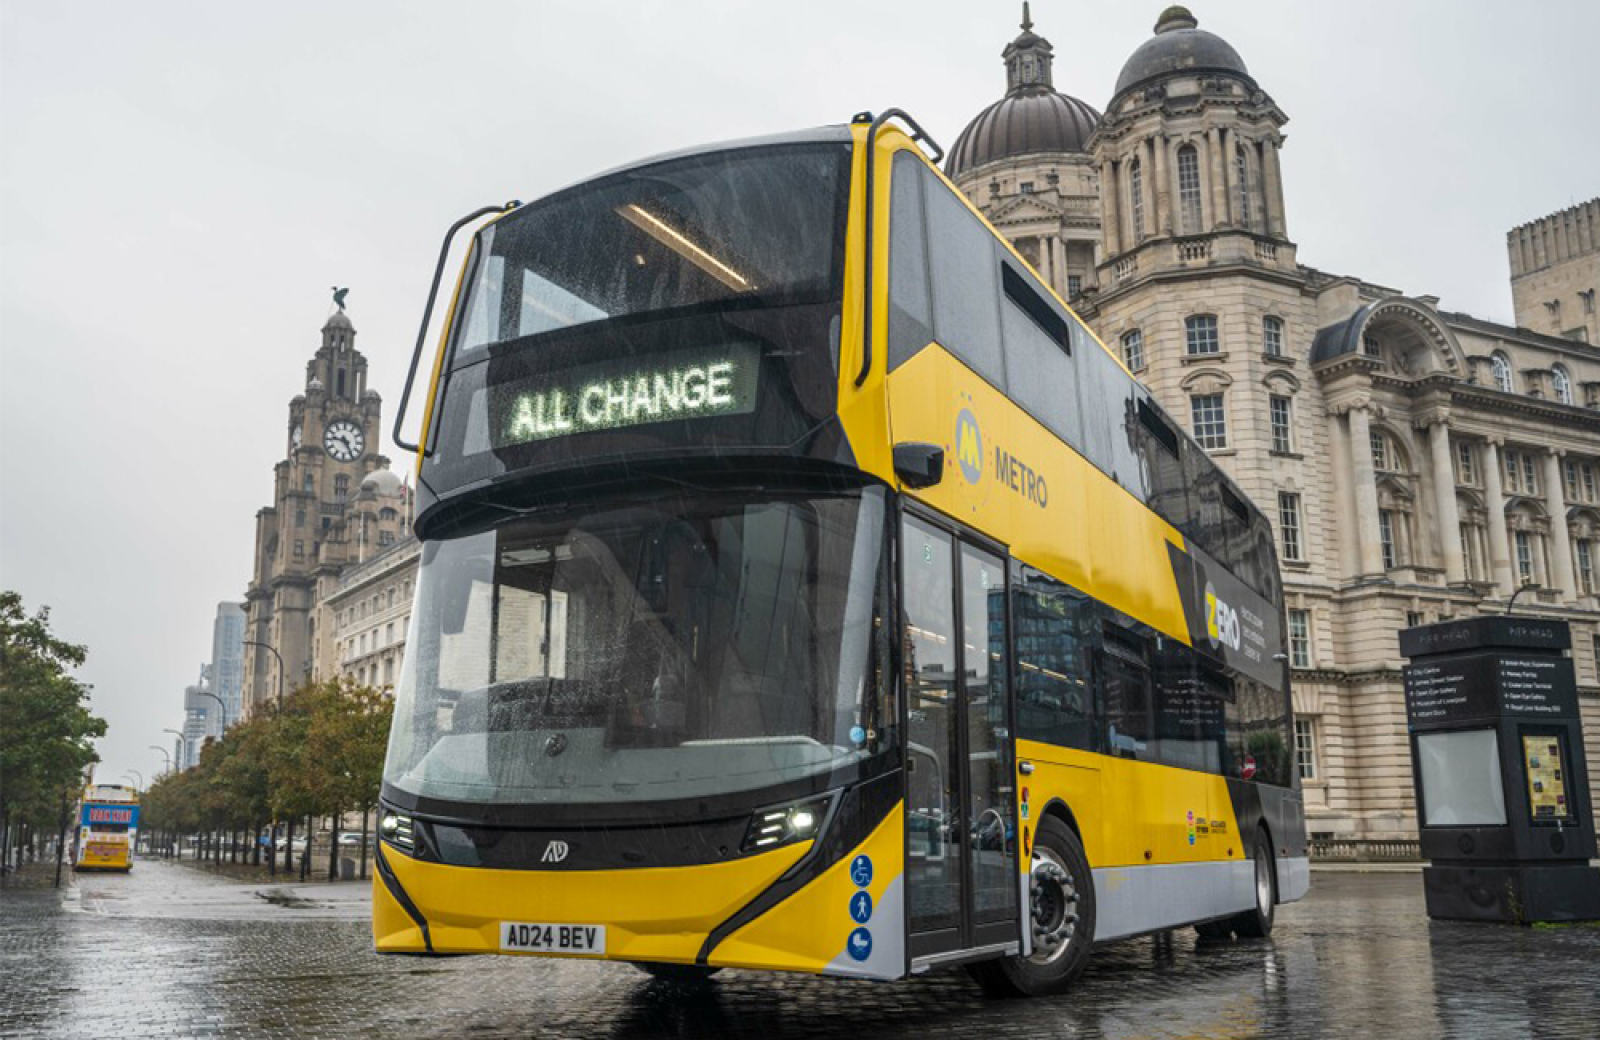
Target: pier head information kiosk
x,y
1497,759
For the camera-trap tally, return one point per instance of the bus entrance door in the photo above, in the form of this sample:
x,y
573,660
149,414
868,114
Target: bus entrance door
x,y
961,866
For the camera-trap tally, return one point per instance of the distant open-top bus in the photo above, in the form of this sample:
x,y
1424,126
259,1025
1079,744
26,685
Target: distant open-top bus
x,y
805,587
108,826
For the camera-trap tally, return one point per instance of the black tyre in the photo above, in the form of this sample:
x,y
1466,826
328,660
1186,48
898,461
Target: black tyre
x,y
1257,923
1061,914
677,974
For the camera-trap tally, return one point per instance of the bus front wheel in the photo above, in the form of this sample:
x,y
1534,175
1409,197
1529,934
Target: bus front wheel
x,y
1060,914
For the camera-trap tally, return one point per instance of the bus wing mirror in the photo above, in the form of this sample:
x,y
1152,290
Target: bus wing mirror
x,y
918,465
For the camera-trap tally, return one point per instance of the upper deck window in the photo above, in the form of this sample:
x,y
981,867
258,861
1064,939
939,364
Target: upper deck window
x,y
747,227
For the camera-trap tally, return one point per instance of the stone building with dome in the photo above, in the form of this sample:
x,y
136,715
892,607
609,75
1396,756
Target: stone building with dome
x,y
1418,463
335,505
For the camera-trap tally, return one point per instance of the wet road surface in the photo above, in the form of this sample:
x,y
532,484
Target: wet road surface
x,y
168,951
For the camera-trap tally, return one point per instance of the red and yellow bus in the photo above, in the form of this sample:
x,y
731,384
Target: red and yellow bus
x,y
806,588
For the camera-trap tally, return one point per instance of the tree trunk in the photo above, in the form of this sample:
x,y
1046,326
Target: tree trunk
x,y
305,857
333,848
272,848
61,840
288,846
366,811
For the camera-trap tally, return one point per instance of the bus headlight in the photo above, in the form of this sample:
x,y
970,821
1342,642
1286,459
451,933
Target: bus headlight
x,y
396,830
770,828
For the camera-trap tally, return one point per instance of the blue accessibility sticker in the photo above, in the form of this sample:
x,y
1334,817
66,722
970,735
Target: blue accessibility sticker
x,y
860,907
858,735
861,870
859,944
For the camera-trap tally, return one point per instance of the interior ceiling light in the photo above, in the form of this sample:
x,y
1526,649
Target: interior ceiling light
x,y
685,247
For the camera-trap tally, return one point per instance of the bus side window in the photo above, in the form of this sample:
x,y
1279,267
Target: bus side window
x,y
1104,391
1162,449
910,307
966,282
1049,623
1258,733
1046,374
1124,684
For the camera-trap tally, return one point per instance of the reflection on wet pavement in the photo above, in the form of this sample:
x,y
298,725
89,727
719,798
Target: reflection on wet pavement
x,y
167,951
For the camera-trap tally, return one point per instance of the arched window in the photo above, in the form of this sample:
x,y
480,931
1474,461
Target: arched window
x,y
1189,188
1133,349
1200,334
1387,455
1562,384
1272,336
1136,198
1502,373
1242,175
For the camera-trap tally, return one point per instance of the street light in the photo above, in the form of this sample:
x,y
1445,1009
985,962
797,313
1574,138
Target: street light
x,y
183,742
134,774
272,650
224,707
164,751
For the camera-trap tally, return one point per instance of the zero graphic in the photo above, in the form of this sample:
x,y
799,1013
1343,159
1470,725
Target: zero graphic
x,y
969,446
1222,621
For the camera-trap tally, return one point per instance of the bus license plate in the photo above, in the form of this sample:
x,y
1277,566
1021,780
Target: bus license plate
x,y
585,939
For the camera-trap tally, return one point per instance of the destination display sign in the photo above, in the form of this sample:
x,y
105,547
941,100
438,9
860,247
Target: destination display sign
x,y
1444,690
693,384
110,814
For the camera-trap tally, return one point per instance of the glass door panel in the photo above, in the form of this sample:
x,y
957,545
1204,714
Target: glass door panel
x,y
933,864
991,795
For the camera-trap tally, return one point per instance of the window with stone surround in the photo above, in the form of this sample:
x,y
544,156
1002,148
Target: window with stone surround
x,y
1524,545
1136,198
1299,638
1386,538
1571,472
1289,526
1200,335
1026,187
1272,336
1074,285
1371,346
1133,349
1305,748
1242,175
1502,373
1585,561
1210,421
1561,383
1280,422
1189,188
1466,463
1589,490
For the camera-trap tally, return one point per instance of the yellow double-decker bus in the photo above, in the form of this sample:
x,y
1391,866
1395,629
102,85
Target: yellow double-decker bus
x,y
805,588
108,826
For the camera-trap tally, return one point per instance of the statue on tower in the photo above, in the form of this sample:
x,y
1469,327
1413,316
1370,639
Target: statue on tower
x,y
339,295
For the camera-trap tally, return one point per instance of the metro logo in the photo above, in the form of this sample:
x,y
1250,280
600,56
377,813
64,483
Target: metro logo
x,y
969,447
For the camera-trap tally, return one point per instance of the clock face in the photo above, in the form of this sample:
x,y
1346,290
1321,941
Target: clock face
x,y
344,441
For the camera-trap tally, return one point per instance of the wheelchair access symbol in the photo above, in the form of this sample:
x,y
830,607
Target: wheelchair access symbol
x,y
860,907
861,871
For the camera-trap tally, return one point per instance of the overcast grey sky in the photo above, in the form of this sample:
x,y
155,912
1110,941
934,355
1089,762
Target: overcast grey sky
x,y
180,183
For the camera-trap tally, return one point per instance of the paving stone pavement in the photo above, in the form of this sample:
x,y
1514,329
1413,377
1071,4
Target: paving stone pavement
x,y
168,951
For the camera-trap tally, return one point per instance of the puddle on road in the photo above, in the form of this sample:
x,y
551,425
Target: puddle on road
x,y
286,898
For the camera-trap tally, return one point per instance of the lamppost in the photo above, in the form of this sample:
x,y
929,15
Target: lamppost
x,y
164,751
224,707
272,650
183,742
134,774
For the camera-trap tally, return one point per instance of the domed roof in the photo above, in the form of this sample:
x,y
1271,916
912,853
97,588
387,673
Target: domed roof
x,y
339,320
382,481
1179,46
1033,118
1023,124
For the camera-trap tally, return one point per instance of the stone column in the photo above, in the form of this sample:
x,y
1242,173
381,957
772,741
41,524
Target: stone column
x,y
1273,189
1058,263
1111,216
1365,487
1343,498
1160,187
1495,502
1561,575
1444,489
1217,176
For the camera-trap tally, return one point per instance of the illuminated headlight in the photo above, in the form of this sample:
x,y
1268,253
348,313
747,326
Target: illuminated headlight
x,y
396,830
770,828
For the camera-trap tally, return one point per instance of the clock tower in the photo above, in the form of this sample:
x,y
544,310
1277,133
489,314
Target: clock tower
x,y
322,517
